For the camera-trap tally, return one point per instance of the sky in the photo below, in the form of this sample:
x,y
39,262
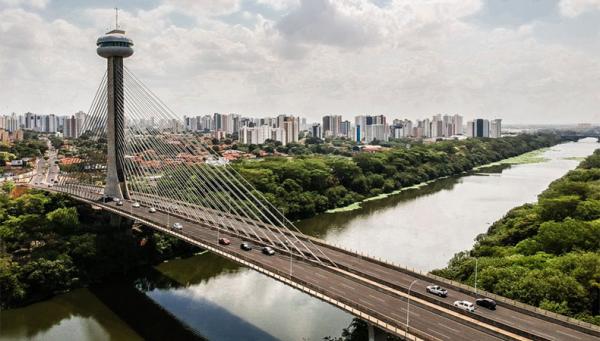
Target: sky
x,y
525,61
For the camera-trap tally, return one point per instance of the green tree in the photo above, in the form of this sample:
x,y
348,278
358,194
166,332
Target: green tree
x,y
63,218
8,186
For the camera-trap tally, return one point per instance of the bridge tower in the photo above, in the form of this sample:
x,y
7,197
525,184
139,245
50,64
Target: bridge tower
x,y
114,46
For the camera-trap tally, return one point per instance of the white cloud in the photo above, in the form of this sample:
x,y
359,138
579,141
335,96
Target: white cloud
x,y
405,59
279,4
574,8
35,4
204,7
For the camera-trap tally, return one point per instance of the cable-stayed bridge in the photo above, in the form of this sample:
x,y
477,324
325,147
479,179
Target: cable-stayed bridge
x,y
135,160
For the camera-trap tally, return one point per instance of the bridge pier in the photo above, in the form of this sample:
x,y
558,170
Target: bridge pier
x,y
371,332
115,220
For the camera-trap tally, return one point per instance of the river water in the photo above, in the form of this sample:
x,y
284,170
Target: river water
x,y
420,229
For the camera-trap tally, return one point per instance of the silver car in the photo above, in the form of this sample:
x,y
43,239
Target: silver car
x,y
136,204
437,290
152,210
465,305
177,227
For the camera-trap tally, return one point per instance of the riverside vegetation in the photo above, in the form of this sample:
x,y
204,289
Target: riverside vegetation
x,y
545,254
50,244
306,185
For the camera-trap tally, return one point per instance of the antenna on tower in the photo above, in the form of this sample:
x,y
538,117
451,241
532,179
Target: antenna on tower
x,y
116,18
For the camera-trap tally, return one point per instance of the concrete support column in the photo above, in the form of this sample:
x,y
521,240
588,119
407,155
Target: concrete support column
x,y
371,332
116,186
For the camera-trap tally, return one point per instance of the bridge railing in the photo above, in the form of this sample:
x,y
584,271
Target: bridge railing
x,y
525,308
522,307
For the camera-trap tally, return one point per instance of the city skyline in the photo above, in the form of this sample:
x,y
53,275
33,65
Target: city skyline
x,y
282,128
355,57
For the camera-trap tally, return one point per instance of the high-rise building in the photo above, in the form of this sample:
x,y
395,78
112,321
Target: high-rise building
x,y
496,128
481,128
332,125
291,128
315,131
457,125
470,129
369,128
346,129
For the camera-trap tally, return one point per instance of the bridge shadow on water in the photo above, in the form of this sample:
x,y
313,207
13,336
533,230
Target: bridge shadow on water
x,y
151,303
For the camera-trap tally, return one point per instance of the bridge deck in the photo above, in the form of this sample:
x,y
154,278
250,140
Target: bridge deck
x,y
366,286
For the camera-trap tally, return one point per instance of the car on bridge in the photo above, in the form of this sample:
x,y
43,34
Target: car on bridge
x,y
246,246
119,202
177,227
437,290
224,241
152,210
465,305
136,204
268,251
486,303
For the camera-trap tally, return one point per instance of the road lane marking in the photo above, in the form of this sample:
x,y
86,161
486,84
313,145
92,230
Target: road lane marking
x,y
505,321
543,334
337,290
438,333
377,298
569,335
447,327
347,286
365,301
320,275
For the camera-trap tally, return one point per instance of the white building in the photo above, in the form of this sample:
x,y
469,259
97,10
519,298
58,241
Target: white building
x,y
496,128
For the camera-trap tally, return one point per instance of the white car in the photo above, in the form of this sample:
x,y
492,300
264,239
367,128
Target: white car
x,y
152,210
465,305
177,226
437,290
136,204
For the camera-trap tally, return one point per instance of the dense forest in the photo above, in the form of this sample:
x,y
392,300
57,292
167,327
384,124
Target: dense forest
x,y
303,186
545,254
50,244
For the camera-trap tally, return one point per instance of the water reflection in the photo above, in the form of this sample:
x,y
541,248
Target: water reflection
x,y
220,300
78,315
424,228
227,302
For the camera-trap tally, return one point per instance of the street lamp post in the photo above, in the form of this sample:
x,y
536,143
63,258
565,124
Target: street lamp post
x,y
292,257
475,276
408,304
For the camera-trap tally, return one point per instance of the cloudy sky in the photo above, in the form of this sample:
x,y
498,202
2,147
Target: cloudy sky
x,y
527,61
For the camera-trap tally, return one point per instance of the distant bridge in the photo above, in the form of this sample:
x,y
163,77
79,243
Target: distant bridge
x,y
136,158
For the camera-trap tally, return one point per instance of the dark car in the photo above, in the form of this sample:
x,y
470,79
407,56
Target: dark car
x,y
224,241
246,246
268,251
486,303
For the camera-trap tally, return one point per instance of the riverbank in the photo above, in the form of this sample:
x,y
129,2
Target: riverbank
x,y
534,156
546,254
419,229
305,186
52,244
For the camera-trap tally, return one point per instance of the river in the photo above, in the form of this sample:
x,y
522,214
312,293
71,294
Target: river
x,y
421,229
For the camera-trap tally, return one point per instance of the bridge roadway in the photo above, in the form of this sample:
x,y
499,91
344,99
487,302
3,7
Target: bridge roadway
x,y
377,289
400,279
